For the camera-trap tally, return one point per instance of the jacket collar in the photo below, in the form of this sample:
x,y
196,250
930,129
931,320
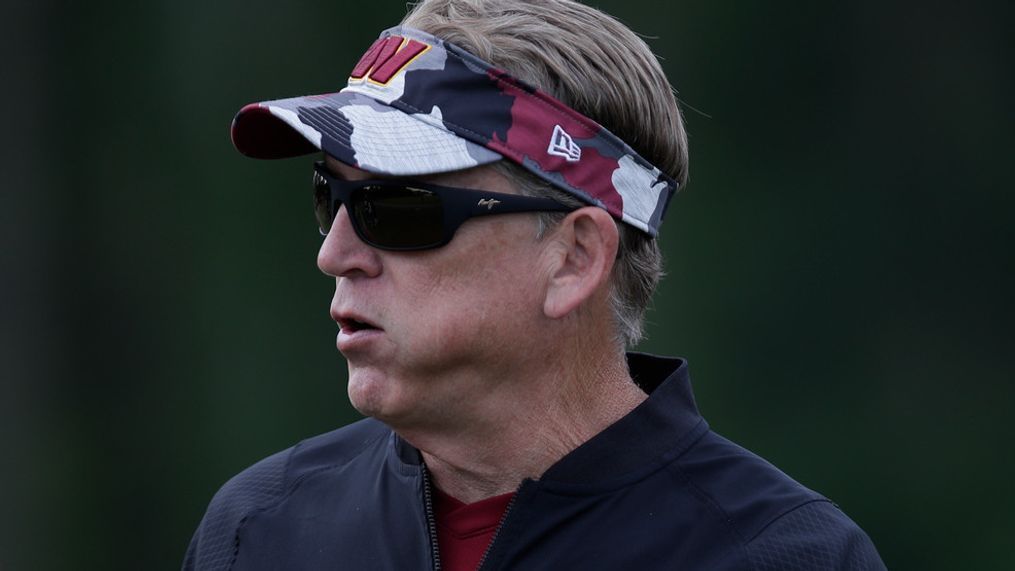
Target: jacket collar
x,y
653,434
661,428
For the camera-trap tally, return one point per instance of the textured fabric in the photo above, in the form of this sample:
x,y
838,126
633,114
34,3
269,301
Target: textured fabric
x,y
415,104
214,544
813,536
655,490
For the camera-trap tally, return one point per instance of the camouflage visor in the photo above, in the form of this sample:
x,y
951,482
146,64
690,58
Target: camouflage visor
x,y
416,105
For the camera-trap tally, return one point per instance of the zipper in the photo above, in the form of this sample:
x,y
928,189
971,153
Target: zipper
x,y
500,526
431,522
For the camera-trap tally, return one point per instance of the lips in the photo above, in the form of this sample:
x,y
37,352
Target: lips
x,y
352,322
356,335
353,325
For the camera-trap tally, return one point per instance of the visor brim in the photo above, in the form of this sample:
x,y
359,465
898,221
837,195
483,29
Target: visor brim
x,y
358,130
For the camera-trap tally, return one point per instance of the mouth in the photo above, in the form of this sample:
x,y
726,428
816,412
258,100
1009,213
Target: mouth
x,y
350,325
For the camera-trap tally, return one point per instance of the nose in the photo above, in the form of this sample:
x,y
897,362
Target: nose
x,y
343,254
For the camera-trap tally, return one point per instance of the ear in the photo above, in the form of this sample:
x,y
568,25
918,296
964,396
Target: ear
x,y
585,249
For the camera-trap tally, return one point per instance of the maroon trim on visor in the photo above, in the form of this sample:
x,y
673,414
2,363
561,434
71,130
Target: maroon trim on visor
x,y
535,114
257,133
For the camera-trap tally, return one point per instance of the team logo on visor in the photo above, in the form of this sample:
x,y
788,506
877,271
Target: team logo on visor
x,y
386,58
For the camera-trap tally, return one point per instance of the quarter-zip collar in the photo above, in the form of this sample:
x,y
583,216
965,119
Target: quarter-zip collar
x,y
659,429
628,449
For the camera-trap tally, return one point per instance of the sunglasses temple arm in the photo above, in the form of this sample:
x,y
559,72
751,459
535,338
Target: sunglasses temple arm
x,y
504,204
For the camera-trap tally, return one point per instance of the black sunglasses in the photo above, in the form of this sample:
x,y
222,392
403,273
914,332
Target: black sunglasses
x,y
404,215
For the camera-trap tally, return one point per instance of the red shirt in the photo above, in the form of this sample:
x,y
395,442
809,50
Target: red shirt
x,y
464,531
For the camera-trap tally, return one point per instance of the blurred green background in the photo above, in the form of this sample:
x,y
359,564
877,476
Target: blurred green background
x,y
840,267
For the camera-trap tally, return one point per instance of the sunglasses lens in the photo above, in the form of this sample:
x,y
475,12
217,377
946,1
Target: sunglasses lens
x,y
399,217
322,203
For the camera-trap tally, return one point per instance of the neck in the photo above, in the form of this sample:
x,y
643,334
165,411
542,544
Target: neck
x,y
522,433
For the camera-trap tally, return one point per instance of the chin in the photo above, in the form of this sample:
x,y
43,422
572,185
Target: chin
x,y
373,394
364,394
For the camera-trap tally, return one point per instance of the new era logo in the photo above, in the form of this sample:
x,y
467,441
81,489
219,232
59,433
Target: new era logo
x,y
562,145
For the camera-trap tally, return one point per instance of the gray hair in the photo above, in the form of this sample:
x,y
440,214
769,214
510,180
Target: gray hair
x,y
599,67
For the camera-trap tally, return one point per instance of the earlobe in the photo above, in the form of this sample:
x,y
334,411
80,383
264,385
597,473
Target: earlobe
x,y
586,246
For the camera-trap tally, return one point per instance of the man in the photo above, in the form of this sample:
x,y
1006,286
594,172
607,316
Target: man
x,y
493,179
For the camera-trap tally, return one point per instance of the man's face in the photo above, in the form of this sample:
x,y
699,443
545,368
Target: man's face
x,y
433,335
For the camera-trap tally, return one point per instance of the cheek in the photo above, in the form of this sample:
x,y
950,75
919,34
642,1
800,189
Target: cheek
x,y
483,287
454,310
448,313
478,307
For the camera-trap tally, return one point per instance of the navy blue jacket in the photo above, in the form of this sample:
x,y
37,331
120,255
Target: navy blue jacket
x,y
656,490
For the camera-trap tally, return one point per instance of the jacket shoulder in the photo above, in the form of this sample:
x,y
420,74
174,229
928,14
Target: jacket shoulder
x,y
780,523
267,482
816,535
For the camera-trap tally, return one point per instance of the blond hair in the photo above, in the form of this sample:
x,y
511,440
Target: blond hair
x,y
599,67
